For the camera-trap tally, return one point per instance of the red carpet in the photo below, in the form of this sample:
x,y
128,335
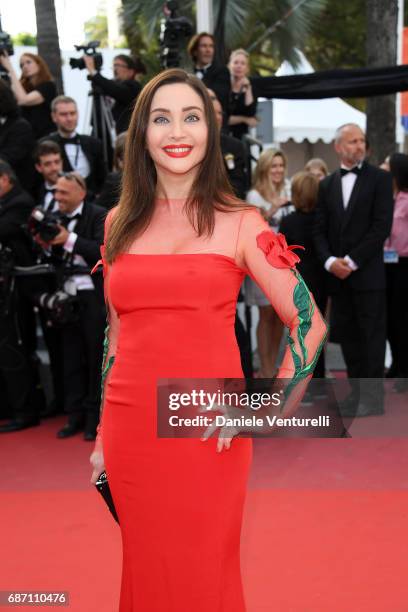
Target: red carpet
x,y
326,524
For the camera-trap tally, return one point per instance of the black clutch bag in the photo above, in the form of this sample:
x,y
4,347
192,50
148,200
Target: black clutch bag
x,y
102,486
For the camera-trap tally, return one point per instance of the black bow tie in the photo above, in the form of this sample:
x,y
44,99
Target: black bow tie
x,y
50,190
64,220
355,170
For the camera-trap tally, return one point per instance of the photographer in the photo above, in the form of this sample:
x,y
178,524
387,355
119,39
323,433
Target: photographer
x,y
16,365
78,241
34,91
16,137
124,88
80,153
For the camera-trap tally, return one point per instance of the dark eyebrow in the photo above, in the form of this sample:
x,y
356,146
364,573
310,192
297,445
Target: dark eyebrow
x,y
186,108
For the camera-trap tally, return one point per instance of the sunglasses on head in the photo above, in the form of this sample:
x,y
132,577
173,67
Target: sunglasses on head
x,y
72,176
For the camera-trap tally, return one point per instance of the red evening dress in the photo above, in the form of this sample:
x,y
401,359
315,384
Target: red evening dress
x,y
180,502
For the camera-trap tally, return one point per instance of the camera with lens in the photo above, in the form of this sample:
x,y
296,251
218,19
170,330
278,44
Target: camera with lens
x,y
173,30
88,49
43,223
6,44
61,308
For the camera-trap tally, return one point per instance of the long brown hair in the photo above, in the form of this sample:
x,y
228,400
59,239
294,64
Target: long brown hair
x,y
210,190
43,75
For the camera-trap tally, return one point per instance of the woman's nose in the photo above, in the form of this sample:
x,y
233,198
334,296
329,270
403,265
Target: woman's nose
x,y
177,129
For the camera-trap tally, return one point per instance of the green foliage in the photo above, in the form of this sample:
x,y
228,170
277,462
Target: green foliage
x,y
247,24
339,39
25,39
96,28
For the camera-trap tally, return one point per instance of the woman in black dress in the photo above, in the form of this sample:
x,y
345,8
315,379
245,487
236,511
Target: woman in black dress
x,y
34,91
242,101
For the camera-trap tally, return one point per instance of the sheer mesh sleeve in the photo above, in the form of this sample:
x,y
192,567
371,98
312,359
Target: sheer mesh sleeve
x,y
111,330
266,257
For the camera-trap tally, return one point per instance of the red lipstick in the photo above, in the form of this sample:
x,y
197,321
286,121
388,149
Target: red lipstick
x,y
179,150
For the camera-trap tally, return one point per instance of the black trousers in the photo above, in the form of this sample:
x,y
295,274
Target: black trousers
x,y
397,314
82,359
359,318
53,341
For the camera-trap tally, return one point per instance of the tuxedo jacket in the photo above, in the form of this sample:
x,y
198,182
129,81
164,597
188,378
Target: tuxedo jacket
x,y
15,209
90,231
237,175
92,148
358,230
218,78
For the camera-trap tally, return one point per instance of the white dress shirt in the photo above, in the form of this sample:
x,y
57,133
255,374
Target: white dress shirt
x,y
49,197
77,282
77,158
347,186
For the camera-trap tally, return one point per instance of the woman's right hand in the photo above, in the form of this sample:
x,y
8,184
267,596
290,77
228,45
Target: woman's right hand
x,y
97,462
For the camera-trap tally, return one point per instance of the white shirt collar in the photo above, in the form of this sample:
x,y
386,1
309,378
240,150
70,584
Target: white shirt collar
x,y
78,210
355,166
72,135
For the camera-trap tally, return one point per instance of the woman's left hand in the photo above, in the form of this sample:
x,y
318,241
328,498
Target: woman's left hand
x,y
227,432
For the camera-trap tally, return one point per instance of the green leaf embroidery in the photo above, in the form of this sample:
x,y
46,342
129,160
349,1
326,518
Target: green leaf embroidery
x,y
305,308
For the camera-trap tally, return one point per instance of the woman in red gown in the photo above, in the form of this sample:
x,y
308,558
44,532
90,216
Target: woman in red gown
x,y
177,248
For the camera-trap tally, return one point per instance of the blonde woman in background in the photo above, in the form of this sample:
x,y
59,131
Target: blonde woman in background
x,y
317,167
271,194
242,101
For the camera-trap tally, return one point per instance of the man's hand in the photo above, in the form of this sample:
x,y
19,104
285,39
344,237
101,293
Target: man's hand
x,y
340,268
89,63
60,238
37,238
5,61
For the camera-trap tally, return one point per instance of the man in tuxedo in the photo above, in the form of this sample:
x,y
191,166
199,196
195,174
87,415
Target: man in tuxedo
x,y
80,238
233,152
80,153
353,218
16,363
201,49
48,163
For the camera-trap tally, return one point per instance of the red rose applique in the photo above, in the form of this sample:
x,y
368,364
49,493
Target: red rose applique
x,y
276,249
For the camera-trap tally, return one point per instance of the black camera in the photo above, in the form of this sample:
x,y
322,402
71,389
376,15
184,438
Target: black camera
x,y
88,49
173,30
5,42
61,308
43,223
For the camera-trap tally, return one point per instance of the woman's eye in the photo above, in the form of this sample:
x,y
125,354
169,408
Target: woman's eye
x,y
192,118
160,120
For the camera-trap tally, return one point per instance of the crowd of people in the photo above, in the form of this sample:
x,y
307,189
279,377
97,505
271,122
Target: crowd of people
x,y
56,188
